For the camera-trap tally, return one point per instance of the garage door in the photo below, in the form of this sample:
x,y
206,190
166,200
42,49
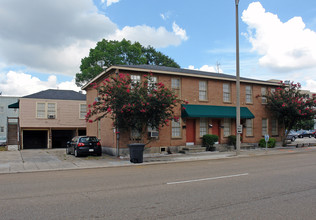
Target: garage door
x,y
34,139
60,137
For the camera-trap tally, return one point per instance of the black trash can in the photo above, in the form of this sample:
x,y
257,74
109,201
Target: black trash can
x,y
136,152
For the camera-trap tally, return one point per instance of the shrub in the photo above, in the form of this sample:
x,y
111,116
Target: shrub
x,y
209,139
271,143
232,140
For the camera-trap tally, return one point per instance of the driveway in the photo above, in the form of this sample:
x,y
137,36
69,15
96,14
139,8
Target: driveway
x,y
51,159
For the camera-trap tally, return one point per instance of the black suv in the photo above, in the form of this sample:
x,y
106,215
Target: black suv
x,y
84,145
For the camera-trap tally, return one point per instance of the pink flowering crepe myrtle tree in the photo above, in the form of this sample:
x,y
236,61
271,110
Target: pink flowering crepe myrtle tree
x,y
134,106
290,106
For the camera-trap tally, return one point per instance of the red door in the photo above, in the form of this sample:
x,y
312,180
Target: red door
x,y
190,130
216,128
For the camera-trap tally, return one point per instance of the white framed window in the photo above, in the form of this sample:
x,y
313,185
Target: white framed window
x,y
274,127
83,111
264,128
203,90
263,93
175,86
203,126
176,131
46,110
226,92
135,79
248,94
1,109
152,83
272,90
249,127
135,134
227,127
41,110
1,129
51,109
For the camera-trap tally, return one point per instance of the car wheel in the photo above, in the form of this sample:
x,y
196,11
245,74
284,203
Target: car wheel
x,y
67,150
310,136
293,139
76,153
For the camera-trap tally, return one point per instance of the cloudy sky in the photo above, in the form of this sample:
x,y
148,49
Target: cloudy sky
x,y
42,42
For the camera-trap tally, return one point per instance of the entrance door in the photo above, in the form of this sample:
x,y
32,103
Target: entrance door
x,y
216,128
190,131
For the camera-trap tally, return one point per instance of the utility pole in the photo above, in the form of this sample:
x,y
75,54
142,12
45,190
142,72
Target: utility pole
x,y
237,84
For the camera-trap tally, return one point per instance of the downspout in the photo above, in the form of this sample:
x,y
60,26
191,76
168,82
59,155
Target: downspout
x,y
116,129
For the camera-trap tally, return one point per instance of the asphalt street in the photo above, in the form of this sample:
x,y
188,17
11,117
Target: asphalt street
x,y
272,186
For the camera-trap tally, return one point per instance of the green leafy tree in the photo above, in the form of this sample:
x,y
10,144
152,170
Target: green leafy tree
x,y
108,53
290,106
305,125
134,106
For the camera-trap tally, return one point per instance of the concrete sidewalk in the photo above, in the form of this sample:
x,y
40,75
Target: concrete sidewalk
x,y
56,159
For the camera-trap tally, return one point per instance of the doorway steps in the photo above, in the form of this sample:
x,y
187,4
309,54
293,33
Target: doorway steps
x,y
192,149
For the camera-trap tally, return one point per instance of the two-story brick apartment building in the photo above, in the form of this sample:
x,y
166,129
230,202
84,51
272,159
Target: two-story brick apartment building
x,y
50,118
211,108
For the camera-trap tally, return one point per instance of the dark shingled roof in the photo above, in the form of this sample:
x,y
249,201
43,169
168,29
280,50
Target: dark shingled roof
x,y
188,71
57,94
180,72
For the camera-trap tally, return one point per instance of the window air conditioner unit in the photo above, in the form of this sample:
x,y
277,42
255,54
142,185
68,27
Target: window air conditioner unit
x,y
51,116
154,134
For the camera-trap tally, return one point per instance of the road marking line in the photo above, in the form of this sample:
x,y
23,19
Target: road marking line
x,y
212,178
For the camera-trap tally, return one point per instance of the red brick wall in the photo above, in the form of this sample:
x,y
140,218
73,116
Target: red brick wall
x,y
190,93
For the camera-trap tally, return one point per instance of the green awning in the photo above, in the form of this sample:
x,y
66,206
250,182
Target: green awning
x,y
14,105
214,111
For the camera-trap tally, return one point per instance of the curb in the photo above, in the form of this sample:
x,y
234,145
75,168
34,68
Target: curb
x,y
180,159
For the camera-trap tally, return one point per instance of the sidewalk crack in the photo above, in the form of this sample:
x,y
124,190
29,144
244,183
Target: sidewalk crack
x,y
22,157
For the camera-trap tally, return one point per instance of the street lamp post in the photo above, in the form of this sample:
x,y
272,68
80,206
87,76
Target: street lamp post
x,y
237,84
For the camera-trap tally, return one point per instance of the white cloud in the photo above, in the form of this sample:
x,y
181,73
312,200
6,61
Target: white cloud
x,y
283,46
179,31
50,36
207,68
53,36
69,85
310,85
21,84
165,16
156,37
110,2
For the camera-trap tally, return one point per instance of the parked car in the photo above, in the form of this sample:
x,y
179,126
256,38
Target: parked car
x,y
314,133
3,141
305,133
84,145
292,136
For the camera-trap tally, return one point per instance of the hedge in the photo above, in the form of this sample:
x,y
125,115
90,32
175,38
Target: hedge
x,y
209,140
271,143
